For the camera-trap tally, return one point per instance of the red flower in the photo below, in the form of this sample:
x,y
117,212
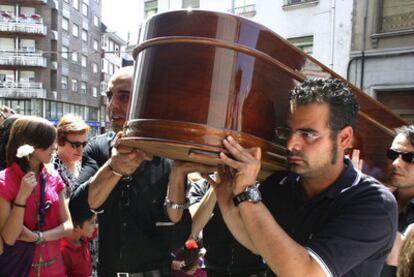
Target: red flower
x,y
191,244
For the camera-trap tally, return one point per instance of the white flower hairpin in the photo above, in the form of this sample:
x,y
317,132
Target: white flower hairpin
x,y
25,151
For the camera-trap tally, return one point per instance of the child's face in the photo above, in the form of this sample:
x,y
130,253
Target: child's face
x,y
89,226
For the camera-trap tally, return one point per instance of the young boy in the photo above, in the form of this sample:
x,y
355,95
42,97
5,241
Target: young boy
x,y
75,248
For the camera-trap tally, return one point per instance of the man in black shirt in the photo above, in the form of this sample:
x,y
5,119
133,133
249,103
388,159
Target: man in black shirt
x,y
141,203
401,155
225,256
323,217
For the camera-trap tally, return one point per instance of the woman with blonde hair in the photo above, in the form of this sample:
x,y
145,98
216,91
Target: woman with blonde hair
x,y
33,210
72,137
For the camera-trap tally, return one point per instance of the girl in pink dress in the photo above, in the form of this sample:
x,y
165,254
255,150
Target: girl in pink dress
x,y
32,200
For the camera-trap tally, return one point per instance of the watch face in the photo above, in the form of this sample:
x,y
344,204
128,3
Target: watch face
x,y
254,194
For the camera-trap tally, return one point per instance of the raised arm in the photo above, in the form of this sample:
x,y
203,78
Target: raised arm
x,y
12,215
176,192
284,256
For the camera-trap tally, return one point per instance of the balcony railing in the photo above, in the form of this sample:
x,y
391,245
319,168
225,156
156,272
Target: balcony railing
x,y
294,2
22,58
248,10
402,21
22,90
43,2
23,27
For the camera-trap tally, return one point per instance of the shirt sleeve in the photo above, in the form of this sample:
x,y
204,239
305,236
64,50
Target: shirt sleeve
x,y
60,185
364,226
198,190
95,155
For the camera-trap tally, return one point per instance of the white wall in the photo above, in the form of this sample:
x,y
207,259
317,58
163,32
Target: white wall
x,y
302,20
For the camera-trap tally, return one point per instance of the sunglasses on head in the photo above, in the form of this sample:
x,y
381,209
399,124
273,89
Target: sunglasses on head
x,y
76,144
407,157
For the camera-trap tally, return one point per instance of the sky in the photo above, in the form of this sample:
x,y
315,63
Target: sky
x,y
121,16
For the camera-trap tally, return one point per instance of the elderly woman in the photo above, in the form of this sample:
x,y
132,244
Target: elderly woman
x,y
72,136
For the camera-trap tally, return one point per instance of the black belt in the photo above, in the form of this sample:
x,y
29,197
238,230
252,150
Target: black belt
x,y
214,273
152,273
165,272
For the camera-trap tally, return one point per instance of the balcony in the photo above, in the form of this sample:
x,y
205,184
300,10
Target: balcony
x,y
22,90
293,4
247,11
22,58
32,24
25,2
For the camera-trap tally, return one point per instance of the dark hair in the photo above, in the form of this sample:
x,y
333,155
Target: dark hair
x,y
32,130
343,106
5,129
407,131
79,213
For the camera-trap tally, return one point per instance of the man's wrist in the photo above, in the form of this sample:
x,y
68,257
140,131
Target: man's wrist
x,y
114,171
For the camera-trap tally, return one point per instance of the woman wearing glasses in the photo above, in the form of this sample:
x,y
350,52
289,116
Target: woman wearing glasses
x,y
72,134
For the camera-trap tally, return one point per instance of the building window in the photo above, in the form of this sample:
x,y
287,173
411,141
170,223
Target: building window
x,y
95,68
191,4
303,43
150,8
74,85
75,57
75,30
244,7
397,15
94,91
64,82
84,60
84,35
294,2
95,44
399,101
65,52
95,21
65,24
84,89
75,4
84,9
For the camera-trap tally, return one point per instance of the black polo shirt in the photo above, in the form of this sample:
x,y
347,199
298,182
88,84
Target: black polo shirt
x,y
135,233
224,254
349,228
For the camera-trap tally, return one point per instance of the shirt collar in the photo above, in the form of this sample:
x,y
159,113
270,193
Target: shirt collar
x,y
348,178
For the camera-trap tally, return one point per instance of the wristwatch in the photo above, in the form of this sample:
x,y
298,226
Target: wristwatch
x,y
251,194
176,206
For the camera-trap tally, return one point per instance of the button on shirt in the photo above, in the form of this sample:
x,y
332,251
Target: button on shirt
x,y
348,229
135,233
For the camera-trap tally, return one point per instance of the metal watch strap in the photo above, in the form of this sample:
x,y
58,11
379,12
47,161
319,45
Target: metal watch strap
x,y
176,206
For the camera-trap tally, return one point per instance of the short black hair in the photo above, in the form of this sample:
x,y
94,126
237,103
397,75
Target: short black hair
x,y
79,213
343,105
407,131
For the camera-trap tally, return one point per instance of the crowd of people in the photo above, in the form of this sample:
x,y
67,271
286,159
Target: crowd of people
x,y
323,217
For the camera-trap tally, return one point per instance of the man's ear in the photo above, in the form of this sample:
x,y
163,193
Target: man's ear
x,y
345,137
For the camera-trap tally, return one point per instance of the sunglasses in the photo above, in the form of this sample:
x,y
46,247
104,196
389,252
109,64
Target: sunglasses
x,y
76,144
407,157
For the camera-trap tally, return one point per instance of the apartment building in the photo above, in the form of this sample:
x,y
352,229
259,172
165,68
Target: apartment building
x,y
50,58
321,28
382,54
112,50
